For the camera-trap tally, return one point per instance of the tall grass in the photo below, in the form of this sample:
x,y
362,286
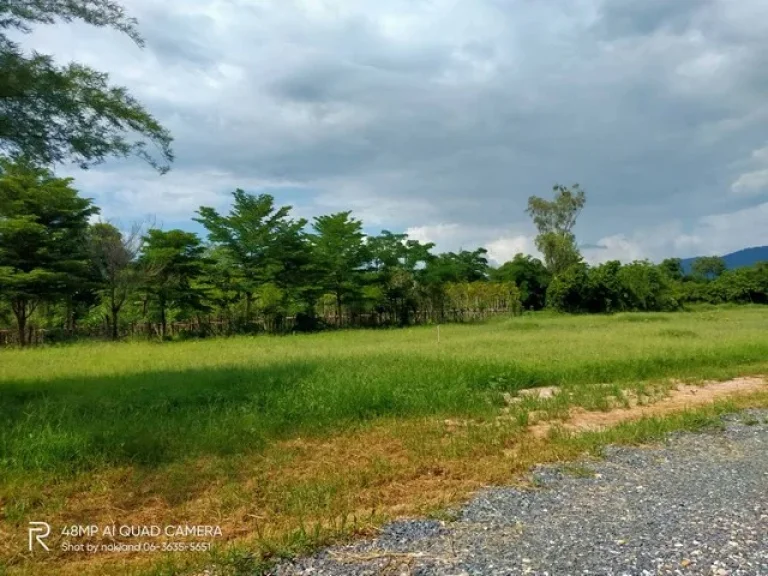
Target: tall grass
x,y
290,442
87,406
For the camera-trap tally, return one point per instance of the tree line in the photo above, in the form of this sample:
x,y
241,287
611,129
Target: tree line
x,y
259,268
565,283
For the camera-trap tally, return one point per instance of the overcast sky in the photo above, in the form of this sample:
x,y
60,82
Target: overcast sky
x,y
441,117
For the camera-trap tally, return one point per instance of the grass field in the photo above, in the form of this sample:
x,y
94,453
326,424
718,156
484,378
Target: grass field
x,y
286,442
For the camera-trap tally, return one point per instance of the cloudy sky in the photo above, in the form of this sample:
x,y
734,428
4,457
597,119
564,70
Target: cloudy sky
x,y
441,117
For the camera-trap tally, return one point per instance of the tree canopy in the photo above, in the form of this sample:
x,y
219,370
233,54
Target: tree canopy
x,y
52,113
43,238
554,220
262,269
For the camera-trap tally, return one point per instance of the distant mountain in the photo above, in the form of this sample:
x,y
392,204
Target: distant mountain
x,y
746,257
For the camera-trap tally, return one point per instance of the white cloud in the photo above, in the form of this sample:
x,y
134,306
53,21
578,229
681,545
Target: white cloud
x,y
751,182
617,247
716,234
501,245
754,181
505,248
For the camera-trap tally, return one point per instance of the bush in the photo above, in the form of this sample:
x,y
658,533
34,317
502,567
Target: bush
x,y
612,287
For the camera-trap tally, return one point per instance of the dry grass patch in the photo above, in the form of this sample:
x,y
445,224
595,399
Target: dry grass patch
x,y
307,492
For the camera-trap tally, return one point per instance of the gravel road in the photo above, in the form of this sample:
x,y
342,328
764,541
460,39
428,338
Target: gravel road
x,y
696,505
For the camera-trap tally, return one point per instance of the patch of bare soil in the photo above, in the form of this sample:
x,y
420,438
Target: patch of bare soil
x,y
682,397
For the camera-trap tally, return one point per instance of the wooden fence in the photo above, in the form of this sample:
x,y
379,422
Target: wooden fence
x,y
212,326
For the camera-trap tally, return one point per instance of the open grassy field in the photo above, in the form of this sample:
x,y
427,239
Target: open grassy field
x,y
285,442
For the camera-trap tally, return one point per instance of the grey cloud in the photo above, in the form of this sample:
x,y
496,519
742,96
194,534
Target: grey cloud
x,y
621,18
179,38
466,107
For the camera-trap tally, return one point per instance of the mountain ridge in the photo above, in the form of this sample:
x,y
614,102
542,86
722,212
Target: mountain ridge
x,y
738,259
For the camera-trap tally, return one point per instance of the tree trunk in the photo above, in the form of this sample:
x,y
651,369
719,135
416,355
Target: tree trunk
x,y
248,300
115,317
163,321
21,321
338,309
20,312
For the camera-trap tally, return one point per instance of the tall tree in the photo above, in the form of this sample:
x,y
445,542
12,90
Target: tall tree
x,y
340,252
53,113
173,260
555,220
266,244
113,254
43,248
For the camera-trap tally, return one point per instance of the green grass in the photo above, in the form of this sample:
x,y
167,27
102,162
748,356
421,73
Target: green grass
x,y
316,436
81,407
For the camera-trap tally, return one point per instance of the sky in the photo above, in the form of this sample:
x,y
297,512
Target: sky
x,y
440,118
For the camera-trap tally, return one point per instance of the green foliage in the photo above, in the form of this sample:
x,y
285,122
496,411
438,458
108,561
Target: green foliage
x,y
43,248
555,220
52,113
263,270
747,285
612,287
171,262
339,253
646,288
708,267
568,291
263,243
530,275
464,266
222,280
78,408
673,268
397,264
606,292
113,257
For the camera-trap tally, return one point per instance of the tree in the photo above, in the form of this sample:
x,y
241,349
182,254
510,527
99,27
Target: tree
x,y
43,248
113,255
464,266
222,280
395,264
531,277
266,245
172,261
51,113
568,291
604,292
673,268
340,252
646,288
708,267
555,220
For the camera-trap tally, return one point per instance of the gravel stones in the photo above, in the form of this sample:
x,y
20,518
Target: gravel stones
x,y
696,505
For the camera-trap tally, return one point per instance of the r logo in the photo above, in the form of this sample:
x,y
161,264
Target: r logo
x,y
39,531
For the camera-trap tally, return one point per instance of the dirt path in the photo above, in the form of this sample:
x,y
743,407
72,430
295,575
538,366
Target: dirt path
x,y
680,398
